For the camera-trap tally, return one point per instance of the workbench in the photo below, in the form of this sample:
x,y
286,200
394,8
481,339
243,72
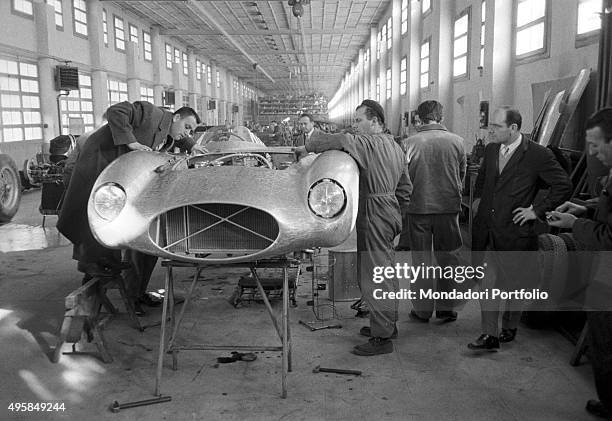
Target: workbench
x,y
169,317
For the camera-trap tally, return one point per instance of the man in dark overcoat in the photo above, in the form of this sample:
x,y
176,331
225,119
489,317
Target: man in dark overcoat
x,y
131,126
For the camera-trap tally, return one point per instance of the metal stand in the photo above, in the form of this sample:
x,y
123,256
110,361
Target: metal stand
x,y
168,314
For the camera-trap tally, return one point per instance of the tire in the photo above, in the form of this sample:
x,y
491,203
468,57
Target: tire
x,y
553,265
10,188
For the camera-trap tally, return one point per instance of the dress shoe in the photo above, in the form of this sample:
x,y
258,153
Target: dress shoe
x,y
485,343
598,409
138,310
507,335
446,316
366,331
375,346
415,317
149,300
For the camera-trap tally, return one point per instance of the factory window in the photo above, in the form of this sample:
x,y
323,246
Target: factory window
x,y
366,55
461,45
77,108
531,28
209,74
404,16
168,56
177,56
383,37
198,69
483,16
426,7
378,88
59,16
117,91
146,45
389,33
589,22
425,63
105,27
119,33
218,79
388,83
79,16
146,94
20,117
185,64
403,75
23,7
185,100
133,34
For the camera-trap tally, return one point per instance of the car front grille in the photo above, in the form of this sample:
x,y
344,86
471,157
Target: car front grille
x,y
216,228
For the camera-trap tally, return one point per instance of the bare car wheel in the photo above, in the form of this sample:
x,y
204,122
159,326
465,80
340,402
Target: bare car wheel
x,y
10,190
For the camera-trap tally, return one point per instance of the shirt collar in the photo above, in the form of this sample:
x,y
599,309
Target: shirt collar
x,y
432,126
512,147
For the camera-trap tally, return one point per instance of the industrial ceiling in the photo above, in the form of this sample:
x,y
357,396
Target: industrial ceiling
x,y
293,55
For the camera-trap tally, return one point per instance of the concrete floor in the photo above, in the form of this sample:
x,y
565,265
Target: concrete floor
x,y
430,376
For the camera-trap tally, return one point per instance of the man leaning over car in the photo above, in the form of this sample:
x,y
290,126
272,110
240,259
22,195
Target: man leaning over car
x,y
131,126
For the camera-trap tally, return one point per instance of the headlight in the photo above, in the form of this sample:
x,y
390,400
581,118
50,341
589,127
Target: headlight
x,y
326,198
109,200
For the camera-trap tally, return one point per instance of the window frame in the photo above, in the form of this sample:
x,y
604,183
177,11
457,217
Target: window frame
x,y
378,88
169,52
541,53
389,39
388,79
185,63
483,34
421,73
198,66
115,38
425,13
130,35
404,75
586,38
404,15
105,27
74,21
468,54
17,12
146,51
56,13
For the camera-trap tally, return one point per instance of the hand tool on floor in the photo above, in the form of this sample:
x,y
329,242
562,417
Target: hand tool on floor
x,y
116,407
312,329
319,369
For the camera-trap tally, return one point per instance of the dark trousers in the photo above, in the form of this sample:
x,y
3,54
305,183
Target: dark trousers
x,y
440,233
137,277
600,354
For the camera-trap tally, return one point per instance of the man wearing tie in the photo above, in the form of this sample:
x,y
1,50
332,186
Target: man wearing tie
x,y
504,238
307,128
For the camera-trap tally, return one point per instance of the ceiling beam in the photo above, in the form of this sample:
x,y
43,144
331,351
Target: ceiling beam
x,y
271,52
196,31
231,40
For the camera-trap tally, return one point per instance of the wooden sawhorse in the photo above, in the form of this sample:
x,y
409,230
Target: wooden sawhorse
x,y
83,306
282,329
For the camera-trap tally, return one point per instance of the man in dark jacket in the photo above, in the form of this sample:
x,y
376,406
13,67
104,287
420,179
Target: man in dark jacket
x,y
384,186
307,129
513,171
595,234
131,126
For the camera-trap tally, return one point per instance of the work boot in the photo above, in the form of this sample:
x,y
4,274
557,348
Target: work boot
x,y
446,316
366,331
375,346
485,343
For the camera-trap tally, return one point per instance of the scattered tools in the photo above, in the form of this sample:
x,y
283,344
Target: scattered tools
x,y
116,406
313,328
319,369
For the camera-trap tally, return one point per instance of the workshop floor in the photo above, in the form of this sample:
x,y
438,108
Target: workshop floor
x,y
430,376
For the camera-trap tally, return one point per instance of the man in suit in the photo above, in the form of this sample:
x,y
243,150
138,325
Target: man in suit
x,y
436,164
513,171
594,231
384,187
307,129
131,126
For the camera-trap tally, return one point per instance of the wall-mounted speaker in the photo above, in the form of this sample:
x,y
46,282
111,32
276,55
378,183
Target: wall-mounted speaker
x,y
66,78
